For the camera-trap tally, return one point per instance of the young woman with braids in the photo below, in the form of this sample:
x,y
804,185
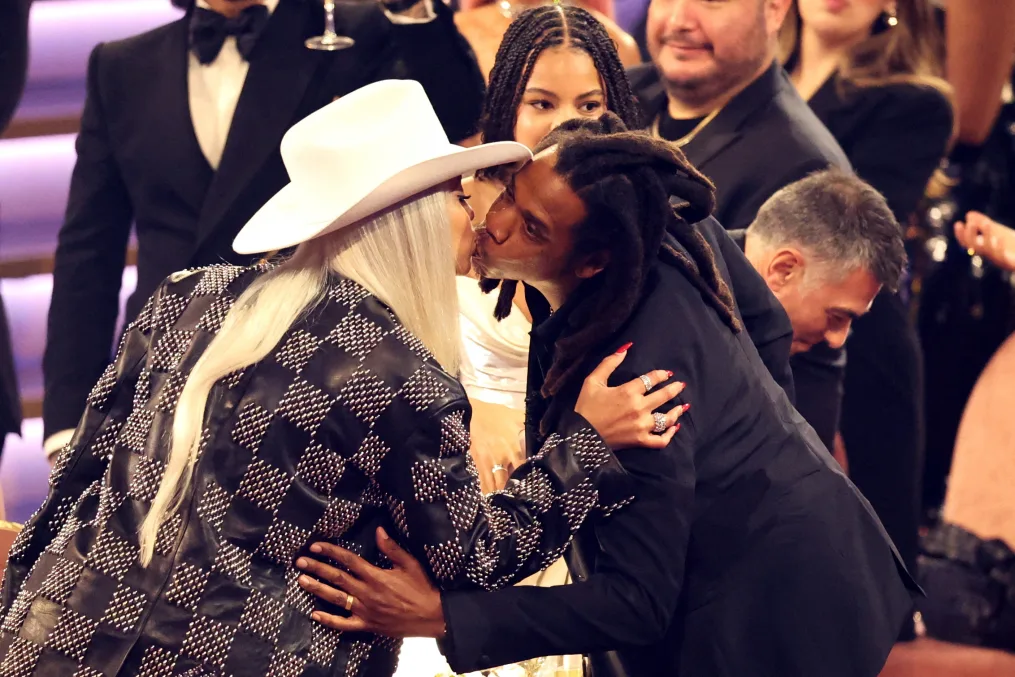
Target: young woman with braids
x,y
746,551
556,62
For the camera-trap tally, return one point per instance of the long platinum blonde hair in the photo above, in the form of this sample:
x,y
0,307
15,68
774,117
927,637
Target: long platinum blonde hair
x,y
402,256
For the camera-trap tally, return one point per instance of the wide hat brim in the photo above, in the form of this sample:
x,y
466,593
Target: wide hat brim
x,y
294,215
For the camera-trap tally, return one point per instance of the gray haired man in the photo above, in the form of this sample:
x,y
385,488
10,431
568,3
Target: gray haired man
x,y
825,245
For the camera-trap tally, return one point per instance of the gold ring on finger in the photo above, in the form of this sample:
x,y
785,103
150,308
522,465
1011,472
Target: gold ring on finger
x,y
349,601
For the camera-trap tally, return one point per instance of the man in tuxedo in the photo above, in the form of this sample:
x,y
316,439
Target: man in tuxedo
x,y
715,88
13,71
180,135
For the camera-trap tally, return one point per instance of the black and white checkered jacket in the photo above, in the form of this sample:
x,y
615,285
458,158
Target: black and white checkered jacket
x,y
348,425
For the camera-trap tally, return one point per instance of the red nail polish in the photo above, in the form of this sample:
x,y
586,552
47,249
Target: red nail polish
x,y
669,374
676,428
687,406
681,384
624,348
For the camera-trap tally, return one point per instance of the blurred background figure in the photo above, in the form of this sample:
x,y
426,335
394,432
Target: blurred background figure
x,y
967,561
484,22
13,72
966,302
871,71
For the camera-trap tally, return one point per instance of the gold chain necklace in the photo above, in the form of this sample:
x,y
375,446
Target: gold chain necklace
x,y
689,137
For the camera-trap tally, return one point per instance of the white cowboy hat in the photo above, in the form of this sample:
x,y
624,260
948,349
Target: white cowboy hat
x,y
360,155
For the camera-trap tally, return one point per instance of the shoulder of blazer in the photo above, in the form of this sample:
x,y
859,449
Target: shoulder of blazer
x,y
647,86
910,104
360,18
812,140
142,44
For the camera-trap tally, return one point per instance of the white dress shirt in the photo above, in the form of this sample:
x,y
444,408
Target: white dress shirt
x,y
213,90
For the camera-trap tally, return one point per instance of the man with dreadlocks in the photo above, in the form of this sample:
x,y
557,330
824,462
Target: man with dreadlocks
x,y
746,550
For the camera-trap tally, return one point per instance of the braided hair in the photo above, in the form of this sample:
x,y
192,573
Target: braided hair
x,y
529,35
636,189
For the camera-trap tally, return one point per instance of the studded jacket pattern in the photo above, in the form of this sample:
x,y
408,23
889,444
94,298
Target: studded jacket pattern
x,y
348,425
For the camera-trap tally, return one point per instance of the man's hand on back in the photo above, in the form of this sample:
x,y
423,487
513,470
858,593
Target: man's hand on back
x,y
400,602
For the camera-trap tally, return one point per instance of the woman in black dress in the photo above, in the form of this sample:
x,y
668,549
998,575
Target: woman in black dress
x,y
870,71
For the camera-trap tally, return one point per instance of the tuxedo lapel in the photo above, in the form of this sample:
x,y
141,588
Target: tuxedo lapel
x,y
708,144
281,68
168,104
725,128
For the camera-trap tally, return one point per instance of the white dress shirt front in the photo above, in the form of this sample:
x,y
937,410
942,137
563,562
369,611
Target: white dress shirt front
x,y
213,90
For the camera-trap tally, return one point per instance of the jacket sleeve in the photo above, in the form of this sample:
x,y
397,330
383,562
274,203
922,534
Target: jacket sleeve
x,y
902,145
469,540
818,376
437,56
88,267
765,320
81,465
629,599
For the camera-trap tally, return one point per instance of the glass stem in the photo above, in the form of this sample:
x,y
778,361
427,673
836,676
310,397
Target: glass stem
x,y
329,18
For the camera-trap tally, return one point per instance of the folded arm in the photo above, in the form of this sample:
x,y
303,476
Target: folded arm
x,y
88,267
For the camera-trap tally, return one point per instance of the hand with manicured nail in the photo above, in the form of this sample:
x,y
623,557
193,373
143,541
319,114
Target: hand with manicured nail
x,y
625,416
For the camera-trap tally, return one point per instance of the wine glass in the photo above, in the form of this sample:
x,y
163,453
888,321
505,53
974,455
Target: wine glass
x,y
330,41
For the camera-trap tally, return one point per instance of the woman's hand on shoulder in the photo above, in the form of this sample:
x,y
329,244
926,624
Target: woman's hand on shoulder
x,y
625,416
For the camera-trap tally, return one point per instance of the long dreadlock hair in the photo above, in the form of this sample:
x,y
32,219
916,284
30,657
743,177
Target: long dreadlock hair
x,y
529,35
626,180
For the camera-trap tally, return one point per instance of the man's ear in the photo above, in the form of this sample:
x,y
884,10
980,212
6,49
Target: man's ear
x,y
775,14
592,265
786,267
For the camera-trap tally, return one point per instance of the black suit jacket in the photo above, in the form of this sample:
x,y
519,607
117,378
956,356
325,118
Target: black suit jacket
x,y
746,550
765,138
894,135
139,161
13,71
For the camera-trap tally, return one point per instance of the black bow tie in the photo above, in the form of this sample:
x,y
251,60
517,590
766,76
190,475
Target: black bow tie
x,y
209,30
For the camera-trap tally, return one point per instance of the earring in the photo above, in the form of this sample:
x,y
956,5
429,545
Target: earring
x,y
890,17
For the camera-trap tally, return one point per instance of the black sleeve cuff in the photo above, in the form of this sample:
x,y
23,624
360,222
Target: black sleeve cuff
x,y
465,627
